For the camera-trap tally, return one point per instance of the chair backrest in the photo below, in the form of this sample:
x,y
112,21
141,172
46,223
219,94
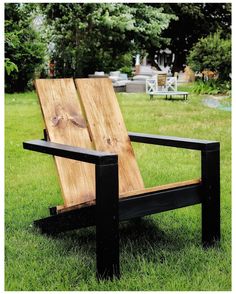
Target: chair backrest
x,y
91,120
161,79
66,124
107,128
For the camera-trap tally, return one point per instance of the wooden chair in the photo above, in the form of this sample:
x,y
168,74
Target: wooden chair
x,y
100,179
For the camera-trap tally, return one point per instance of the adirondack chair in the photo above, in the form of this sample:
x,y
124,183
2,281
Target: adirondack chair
x,y
99,176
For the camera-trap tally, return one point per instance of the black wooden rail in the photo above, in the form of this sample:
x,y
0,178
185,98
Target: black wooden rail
x,y
76,153
194,144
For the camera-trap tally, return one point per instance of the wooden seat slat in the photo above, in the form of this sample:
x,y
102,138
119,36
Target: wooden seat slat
x,y
62,208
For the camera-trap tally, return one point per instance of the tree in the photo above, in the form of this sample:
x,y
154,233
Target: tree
x,y
195,20
212,53
24,50
89,37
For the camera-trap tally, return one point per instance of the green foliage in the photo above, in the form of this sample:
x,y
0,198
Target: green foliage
x,y
206,87
24,50
102,37
10,66
212,53
125,63
126,69
211,87
195,20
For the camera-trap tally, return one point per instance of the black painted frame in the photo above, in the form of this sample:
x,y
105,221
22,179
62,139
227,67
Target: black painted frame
x,y
109,209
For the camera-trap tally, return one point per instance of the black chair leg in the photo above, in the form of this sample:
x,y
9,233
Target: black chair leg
x,y
211,197
107,221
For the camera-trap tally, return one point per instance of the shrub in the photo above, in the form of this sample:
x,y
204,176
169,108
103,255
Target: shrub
x,y
212,53
127,70
211,87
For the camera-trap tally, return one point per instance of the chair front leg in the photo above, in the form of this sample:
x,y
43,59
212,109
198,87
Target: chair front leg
x,y
107,221
211,197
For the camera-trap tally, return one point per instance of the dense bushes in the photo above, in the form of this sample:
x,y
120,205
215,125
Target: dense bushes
x,y
212,53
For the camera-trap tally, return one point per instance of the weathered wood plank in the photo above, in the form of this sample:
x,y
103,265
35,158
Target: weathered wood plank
x,y
66,124
107,128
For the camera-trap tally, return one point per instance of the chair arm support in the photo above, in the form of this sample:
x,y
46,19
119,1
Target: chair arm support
x,y
194,144
76,153
107,199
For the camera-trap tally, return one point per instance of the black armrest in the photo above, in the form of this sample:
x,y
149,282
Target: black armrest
x,y
194,144
80,154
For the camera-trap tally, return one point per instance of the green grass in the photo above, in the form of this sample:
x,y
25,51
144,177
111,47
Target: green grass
x,y
161,252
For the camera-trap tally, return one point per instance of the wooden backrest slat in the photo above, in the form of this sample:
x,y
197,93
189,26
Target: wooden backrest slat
x,y
107,128
66,124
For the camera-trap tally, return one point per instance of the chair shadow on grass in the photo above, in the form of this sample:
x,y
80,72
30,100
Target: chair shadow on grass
x,y
137,236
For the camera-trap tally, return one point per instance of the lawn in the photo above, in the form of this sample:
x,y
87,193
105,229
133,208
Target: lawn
x,y
159,252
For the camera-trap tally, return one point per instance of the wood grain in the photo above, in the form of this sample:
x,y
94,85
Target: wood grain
x,y
93,120
66,124
161,188
107,128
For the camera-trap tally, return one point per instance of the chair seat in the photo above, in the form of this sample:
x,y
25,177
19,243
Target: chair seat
x,y
63,208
